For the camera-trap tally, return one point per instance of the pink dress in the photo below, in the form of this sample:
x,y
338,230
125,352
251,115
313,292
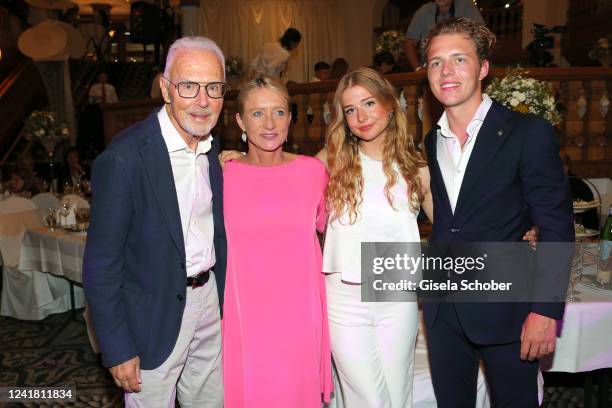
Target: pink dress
x,y
275,331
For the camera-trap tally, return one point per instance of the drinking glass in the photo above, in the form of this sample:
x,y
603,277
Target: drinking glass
x,y
82,218
65,208
51,218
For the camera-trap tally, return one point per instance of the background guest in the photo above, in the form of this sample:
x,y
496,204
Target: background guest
x,y
21,183
102,92
430,14
383,62
38,173
273,57
73,173
321,70
339,67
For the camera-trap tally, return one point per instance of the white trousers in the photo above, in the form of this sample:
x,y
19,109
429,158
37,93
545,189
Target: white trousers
x,y
194,366
372,346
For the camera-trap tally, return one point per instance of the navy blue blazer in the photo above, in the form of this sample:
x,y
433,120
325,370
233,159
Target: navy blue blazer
x,y
514,180
134,269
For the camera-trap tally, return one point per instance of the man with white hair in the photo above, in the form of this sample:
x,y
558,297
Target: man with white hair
x,y
154,268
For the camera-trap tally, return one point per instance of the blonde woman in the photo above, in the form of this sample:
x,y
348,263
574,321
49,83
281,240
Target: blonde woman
x,y
378,182
275,331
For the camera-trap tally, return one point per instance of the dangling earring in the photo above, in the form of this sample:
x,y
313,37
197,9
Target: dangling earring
x,y
244,137
390,114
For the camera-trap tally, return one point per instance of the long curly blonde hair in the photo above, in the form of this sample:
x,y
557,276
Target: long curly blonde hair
x,y
345,188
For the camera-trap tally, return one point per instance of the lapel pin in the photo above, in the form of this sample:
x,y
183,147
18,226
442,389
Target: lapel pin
x,y
500,132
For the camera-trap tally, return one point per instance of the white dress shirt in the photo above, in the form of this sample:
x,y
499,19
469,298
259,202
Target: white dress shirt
x,y
190,170
97,96
452,159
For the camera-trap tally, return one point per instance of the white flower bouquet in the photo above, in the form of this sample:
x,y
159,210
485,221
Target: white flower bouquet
x,y
526,95
391,41
45,128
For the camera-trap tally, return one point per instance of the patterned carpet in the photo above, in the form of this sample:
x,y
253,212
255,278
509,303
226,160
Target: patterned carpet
x,y
54,352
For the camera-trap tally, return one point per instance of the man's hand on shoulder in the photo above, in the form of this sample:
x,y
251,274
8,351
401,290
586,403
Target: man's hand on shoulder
x,y
127,375
228,155
538,336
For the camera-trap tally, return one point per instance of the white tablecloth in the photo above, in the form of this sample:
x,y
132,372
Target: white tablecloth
x,y
585,343
60,253
27,294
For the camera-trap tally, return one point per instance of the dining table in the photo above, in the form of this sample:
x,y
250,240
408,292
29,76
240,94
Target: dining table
x,y
60,252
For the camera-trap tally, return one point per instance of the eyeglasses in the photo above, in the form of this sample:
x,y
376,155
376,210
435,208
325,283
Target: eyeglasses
x,y
214,90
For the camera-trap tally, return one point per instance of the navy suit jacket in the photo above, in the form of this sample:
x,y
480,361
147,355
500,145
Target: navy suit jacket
x,y
134,269
514,180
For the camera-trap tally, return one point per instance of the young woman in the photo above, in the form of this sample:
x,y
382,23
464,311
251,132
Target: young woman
x,y
378,182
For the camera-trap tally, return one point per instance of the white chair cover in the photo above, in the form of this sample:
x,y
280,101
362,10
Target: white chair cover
x,y
44,201
26,295
15,204
76,199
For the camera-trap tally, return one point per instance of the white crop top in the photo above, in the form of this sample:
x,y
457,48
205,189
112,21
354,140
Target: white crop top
x,y
376,221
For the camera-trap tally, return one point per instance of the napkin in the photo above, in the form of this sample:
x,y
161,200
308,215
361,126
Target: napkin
x,y
67,220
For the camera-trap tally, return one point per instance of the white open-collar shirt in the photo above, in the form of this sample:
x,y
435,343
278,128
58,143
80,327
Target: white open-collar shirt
x,y
452,159
194,194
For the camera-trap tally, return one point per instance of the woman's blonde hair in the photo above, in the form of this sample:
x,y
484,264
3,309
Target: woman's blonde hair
x,y
261,82
345,188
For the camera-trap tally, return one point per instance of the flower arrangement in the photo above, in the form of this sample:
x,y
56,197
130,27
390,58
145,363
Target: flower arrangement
x,y
45,128
526,95
234,66
391,41
601,49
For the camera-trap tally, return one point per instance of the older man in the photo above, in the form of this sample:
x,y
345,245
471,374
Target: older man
x,y
154,268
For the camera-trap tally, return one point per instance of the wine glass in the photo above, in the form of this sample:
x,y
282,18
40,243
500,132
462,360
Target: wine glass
x,y
82,218
65,209
67,187
51,218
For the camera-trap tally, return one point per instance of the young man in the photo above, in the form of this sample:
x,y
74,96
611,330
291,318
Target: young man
x,y
154,267
321,70
494,174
